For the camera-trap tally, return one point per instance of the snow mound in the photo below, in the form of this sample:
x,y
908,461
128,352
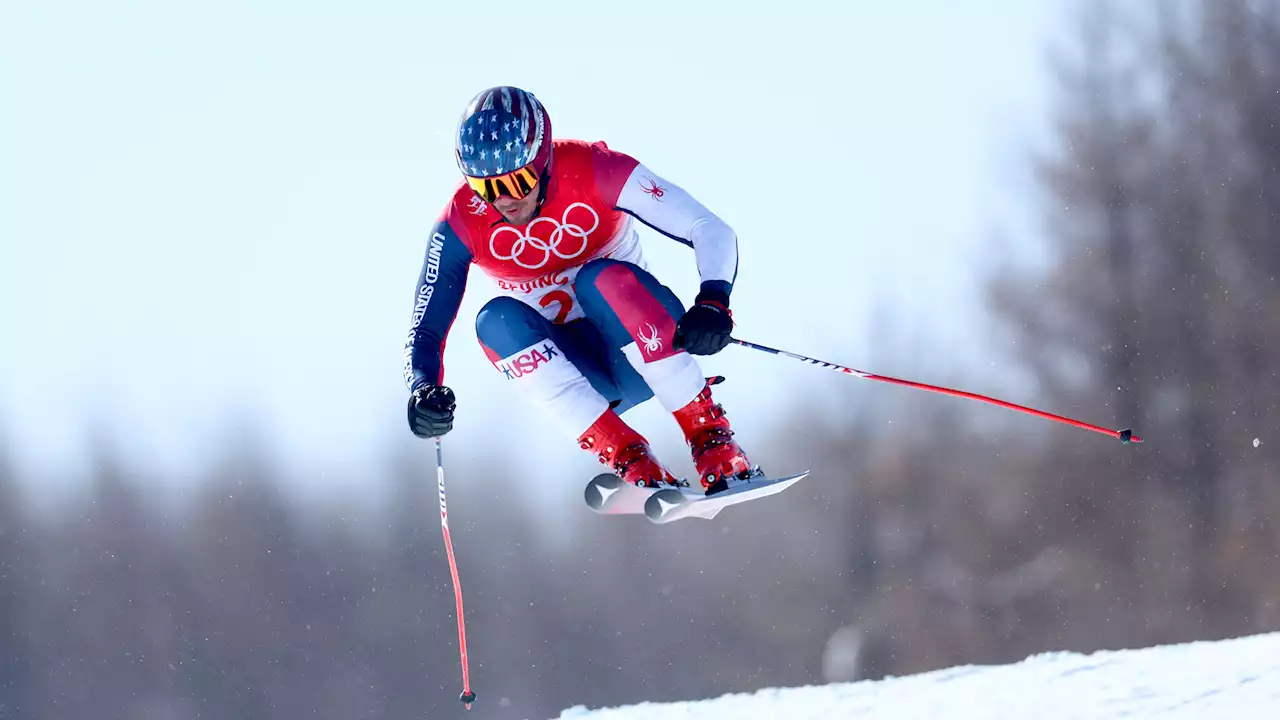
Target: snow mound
x,y
1238,678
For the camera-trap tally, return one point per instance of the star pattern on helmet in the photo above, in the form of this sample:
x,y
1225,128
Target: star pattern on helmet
x,y
493,143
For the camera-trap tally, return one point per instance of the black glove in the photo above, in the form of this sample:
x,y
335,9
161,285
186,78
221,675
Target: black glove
x,y
431,410
707,327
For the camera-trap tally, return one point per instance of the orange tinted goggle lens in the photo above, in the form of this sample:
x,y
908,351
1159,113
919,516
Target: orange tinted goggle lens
x,y
516,184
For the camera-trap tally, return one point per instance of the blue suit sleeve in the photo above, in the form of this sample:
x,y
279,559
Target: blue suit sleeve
x,y
438,296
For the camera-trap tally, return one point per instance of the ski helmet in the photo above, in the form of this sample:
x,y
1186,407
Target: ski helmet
x,y
504,143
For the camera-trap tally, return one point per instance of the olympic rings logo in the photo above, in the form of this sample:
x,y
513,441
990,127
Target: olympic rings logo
x,y
551,246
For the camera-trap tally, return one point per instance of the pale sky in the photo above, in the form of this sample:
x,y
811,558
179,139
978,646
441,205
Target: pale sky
x,y
216,211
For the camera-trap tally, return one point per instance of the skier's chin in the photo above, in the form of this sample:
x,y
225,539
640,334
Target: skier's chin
x,y
519,212
522,218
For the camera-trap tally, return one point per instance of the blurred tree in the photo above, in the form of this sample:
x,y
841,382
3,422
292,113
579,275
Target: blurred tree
x,y
1157,305
19,587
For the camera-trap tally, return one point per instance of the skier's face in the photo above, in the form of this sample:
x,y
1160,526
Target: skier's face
x,y
517,212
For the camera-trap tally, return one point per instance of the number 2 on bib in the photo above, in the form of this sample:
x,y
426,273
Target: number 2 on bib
x,y
564,299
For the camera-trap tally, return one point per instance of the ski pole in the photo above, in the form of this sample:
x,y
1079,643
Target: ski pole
x,y
467,696
1125,436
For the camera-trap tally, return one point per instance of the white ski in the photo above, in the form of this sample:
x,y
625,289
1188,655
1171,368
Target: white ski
x,y
666,506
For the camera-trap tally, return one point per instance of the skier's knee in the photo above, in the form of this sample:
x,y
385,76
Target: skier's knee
x,y
604,286
589,275
505,322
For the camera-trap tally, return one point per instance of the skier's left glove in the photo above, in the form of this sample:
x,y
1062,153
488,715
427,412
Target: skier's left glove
x,y
431,410
707,327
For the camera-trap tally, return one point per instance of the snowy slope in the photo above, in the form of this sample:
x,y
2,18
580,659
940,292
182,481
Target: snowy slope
x,y
1228,679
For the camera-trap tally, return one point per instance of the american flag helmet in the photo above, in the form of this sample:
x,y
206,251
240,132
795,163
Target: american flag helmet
x,y
502,130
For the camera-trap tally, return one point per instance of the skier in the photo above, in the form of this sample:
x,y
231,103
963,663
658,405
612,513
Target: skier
x,y
578,323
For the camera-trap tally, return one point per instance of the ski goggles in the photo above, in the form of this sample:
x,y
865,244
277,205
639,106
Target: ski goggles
x,y
516,184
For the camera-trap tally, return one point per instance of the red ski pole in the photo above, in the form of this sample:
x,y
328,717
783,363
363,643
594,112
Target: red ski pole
x,y
1125,436
467,696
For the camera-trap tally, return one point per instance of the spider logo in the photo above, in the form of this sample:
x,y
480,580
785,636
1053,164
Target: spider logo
x,y
652,189
652,343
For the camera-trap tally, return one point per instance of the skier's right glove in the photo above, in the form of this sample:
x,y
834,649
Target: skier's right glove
x,y
431,410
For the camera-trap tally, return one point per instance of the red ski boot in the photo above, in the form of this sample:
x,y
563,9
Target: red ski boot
x,y
625,451
716,456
